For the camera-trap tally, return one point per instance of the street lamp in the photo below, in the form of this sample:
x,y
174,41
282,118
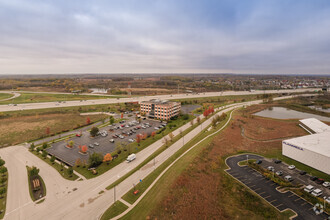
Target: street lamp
x,y
247,158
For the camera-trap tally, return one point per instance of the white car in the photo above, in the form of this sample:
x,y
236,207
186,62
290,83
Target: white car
x,y
288,178
326,184
131,140
291,167
121,136
328,200
270,168
309,188
156,128
112,140
279,173
317,192
96,144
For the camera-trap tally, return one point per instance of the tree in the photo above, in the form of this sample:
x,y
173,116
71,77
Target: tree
x,y
165,141
52,159
171,135
138,139
198,120
112,120
88,120
153,134
214,122
2,162
44,154
94,131
34,171
122,115
71,143
70,171
83,149
32,146
95,159
107,158
47,130
192,122
44,145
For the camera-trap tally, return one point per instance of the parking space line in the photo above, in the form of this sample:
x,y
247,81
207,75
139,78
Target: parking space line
x,y
279,205
311,208
267,197
291,195
273,184
297,199
273,201
304,203
257,189
262,193
252,185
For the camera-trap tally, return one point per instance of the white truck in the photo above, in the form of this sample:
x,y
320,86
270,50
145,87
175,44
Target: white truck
x,y
131,158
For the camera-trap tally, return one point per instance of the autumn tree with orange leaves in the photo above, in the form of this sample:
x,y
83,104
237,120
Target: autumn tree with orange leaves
x,y
107,158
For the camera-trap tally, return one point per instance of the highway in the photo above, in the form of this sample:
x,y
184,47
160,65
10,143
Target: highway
x,y
62,202
44,105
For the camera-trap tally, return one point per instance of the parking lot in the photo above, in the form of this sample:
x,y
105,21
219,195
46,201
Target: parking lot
x,y
266,189
105,142
297,178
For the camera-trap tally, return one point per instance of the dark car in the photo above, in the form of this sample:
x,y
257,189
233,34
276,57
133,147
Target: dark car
x,y
258,161
302,172
319,181
313,178
277,161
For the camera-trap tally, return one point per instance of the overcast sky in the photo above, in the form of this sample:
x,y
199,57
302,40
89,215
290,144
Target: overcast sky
x,y
165,36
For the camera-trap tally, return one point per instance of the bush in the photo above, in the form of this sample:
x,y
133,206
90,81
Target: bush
x,y
44,145
94,131
2,162
33,171
95,159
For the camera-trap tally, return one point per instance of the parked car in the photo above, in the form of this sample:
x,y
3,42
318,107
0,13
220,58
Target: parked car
x,y
78,135
112,141
302,172
326,184
270,168
291,167
156,128
319,181
258,161
309,188
91,146
288,178
313,178
279,173
121,136
131,140
96,144
277,161
317,192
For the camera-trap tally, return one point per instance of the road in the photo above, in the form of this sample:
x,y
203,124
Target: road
x,y
62,202
15,95
43,105
266,189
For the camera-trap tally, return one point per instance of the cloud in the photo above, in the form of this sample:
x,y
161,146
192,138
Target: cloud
x,y
164,36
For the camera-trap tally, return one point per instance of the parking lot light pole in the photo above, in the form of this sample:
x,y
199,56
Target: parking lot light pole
x,y
247,159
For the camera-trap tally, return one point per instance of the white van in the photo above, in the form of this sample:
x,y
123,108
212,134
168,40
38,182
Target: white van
x,y
309,188
131,157
288,178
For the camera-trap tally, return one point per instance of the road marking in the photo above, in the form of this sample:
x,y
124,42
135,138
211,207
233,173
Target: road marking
x,y
252,185
311,208
262,193
297,199
267,197
304,203
273,201
257,189
273,184
278,205
291,195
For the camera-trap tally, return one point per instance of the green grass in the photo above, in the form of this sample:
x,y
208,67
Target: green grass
x,y
40,201
5,96
26,97
31,187
114,210
132,148
57,166
3,200
142,186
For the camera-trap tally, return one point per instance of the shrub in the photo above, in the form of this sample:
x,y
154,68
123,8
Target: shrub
x,y
33,171
95,159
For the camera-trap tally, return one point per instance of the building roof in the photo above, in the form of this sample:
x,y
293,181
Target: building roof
x,y
318,143
315,125
158,101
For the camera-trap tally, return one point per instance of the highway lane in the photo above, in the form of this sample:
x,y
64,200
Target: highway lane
x,y
86,202
44,105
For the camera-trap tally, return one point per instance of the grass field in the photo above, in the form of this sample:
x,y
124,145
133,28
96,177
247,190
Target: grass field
x,y
15,130
5,96
134,148
49,97
114,210
3,198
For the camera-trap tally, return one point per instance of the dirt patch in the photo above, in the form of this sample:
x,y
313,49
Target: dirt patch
x,y
38,190
205,191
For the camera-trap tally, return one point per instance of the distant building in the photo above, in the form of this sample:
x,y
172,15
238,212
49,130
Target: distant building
x,y
160,109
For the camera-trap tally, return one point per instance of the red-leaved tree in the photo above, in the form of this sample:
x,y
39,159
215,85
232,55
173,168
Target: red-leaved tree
x,y
88,120
47,130
138,139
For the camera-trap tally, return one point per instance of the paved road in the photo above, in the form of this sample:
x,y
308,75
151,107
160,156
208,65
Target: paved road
x,y
267,189
15,95
43,105
86,202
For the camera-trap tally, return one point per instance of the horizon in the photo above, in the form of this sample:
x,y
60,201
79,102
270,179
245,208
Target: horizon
x,y
157,37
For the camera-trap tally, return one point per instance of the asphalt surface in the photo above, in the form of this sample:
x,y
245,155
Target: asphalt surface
x,y
267,189
43,105
297,178
70,155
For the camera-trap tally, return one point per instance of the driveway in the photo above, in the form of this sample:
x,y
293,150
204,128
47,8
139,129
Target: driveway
x,y
267,189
